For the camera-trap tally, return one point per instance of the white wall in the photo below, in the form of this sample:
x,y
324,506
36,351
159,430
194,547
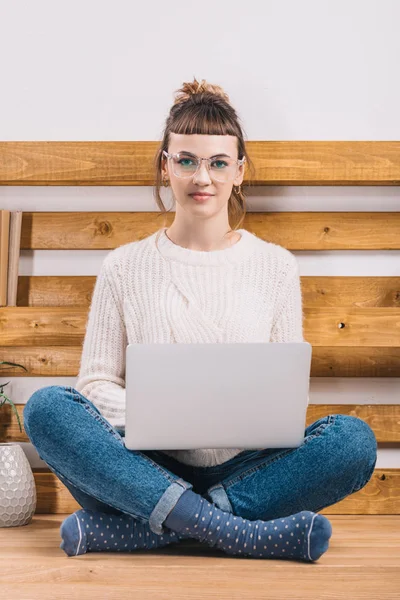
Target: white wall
x,y
311,70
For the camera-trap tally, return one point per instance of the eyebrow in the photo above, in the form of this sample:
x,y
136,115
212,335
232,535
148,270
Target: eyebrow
x,y
191,154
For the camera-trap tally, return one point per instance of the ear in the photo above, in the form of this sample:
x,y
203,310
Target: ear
x,y
164,168
240,176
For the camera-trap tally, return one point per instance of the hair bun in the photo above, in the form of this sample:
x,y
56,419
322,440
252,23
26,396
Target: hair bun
x,y
194,88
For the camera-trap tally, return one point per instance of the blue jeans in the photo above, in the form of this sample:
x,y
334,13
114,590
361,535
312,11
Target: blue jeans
x,y
337,457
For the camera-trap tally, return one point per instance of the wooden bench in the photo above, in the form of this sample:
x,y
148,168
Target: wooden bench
x,y
353,323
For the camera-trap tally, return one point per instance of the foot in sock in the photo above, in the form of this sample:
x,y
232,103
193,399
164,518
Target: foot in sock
x,y
90,531
301,536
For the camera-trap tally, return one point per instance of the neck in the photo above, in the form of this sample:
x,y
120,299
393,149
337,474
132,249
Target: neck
x,y
237,252
204,240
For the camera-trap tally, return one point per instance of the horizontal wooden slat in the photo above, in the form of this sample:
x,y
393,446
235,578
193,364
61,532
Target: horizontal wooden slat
x,y
347,291
292,230
317,291
55,326
380,496
132,163
65,326
352,326
384,419
339,361
361,361
65,290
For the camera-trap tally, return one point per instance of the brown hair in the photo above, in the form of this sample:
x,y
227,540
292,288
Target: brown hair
x,y
203,108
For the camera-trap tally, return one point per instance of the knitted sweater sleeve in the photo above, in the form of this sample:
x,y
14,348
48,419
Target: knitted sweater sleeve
x,y
288,319
101,376
287,324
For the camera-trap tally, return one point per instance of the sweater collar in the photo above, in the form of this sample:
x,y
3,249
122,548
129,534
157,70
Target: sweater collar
x,y
234,254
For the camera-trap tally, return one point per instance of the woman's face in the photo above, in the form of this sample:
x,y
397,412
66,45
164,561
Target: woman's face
x,y
202,146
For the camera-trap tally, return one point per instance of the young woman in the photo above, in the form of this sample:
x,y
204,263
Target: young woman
x,y
203,279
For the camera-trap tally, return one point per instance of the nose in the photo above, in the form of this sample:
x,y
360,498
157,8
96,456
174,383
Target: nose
x,y
202,175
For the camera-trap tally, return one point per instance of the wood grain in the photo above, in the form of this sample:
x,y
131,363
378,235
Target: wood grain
x,y
362,562
380,496
292,230
317,291
132,163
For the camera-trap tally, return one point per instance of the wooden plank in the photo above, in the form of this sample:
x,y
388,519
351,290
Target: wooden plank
x,y
348,291
34,326
292,230
355,361
384,419
67,290
65,326
343,326
132,163
317,291
361,563
339,361
380,496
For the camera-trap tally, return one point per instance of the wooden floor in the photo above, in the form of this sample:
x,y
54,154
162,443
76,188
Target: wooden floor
x,y
362,561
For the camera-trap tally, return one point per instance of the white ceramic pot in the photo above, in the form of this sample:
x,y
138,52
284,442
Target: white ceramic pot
x,y
17,486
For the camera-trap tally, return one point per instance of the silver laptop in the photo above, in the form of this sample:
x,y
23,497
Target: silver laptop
x,y
204,395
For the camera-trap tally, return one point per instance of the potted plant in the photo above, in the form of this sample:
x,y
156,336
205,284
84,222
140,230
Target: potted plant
x,y
17,483
3,397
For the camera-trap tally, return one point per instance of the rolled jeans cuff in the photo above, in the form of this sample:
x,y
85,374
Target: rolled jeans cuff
x,y
166,503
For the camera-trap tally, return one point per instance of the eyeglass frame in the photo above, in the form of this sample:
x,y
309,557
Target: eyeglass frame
x,y
239,162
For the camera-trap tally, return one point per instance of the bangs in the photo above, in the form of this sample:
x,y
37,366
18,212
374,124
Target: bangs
x,y
203,119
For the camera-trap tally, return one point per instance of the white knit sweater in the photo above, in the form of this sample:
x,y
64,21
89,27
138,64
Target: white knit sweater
x,y
155,291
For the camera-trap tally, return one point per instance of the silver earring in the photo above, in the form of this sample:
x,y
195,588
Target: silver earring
x,y
238,190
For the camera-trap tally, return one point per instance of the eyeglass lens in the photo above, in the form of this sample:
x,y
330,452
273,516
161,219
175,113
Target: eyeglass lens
x,y
220,169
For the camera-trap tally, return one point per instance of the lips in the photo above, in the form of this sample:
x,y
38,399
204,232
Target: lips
x,y
201,198
200,194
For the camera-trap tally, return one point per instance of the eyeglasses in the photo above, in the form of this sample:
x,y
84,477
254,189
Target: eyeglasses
x,y
187,165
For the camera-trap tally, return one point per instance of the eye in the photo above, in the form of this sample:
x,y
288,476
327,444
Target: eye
x,y
182,161
221,162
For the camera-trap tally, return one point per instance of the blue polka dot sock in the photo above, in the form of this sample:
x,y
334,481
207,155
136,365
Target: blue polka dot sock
x,y
91,531
302,536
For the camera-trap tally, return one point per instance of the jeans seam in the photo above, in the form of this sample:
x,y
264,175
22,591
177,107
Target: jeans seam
x,y
117,436
96,415
331,420
101,420
89,493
